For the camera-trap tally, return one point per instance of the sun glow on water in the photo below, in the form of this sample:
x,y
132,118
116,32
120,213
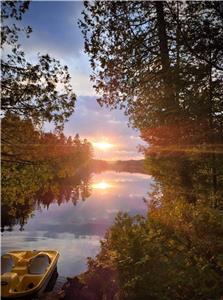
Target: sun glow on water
x,y
102,185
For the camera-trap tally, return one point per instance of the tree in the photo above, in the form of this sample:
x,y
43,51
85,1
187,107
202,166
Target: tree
x,y
40,91
161,62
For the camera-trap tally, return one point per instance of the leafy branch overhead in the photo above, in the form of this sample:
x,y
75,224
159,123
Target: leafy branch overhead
x,y
160,61
42,90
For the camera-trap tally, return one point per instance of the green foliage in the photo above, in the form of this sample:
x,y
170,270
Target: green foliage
x,y
191,177
167,255
175,252
161,62
31,163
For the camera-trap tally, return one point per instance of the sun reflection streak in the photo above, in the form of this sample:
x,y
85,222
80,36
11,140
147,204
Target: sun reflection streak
x,y
102,185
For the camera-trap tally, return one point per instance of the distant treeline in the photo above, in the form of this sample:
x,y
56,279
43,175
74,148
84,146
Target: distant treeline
x,y
33,165
130,166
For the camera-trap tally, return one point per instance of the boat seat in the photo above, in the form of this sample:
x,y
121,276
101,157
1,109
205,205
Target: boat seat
x,y
22,262
38,264
7,263
20,270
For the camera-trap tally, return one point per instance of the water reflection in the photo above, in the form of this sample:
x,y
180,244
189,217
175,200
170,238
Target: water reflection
x,y
73,218
72,215
73,248
195,179
18,211
102,185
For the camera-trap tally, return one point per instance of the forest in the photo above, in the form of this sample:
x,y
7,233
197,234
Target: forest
x,y
161,63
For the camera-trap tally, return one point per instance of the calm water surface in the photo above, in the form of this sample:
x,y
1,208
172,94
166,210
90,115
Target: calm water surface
x,y
76,230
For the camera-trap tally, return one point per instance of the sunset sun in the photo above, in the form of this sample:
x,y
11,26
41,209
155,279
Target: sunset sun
x,y
102,145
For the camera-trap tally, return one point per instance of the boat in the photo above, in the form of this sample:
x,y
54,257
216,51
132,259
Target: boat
x,y
26,273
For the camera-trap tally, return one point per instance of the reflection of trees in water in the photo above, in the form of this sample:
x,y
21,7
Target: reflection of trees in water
x,y
63,191
18,211
195,178
17,214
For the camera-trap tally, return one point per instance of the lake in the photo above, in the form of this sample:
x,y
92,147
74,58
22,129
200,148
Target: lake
x,y
75,228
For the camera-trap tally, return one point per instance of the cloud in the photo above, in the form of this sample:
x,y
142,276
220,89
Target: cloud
x,y
113,121
81,84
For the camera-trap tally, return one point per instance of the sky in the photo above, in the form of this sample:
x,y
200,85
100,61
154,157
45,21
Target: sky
x,y
56,32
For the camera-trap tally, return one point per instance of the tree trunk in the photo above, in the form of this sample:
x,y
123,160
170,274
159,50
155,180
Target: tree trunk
x,y
169,89
163,43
